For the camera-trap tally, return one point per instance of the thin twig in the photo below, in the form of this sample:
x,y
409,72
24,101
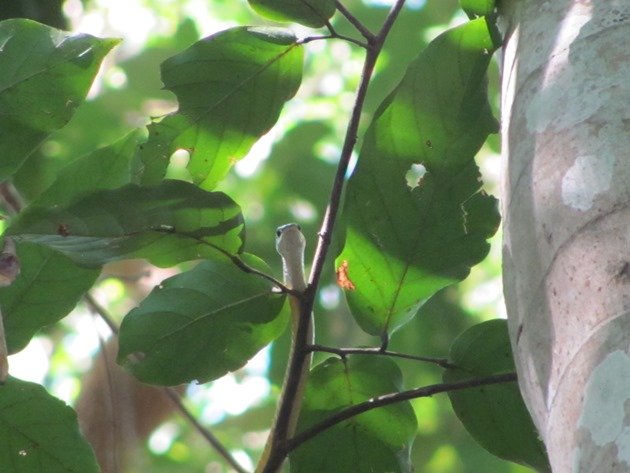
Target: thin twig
x,y
171,393
354,21
98,309
343,352
212,440
333,35
235,258
386,399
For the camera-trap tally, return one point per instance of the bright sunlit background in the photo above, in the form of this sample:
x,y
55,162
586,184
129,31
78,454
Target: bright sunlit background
x,y
127,93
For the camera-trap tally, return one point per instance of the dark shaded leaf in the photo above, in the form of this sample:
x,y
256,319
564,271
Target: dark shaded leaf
x,y
478,7
39,433
47,289
45,75
201,324
106,168
231,88
496,415
406,240
166,224
312,13
375,441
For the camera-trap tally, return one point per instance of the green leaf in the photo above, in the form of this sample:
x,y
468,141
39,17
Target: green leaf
x,y
478,7
47,289
495,415
231,88
45,75
406,241
166,224
313,13
40,433
105,168
201,324
376,441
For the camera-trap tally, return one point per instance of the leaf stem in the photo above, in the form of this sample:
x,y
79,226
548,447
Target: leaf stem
x,y
172,394
392,398
333,35
248,269
242,265
343,352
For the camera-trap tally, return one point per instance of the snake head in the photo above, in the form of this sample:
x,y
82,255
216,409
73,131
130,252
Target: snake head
x,y
290,241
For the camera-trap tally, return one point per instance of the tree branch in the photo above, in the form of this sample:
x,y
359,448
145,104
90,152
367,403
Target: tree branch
x,y
301,344
392,398
375,44
354,21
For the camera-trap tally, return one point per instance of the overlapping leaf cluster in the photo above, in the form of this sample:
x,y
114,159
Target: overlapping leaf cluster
x,y
115,204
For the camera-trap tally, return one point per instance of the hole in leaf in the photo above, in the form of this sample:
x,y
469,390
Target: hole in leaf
x,y
177,166
136,357
414,175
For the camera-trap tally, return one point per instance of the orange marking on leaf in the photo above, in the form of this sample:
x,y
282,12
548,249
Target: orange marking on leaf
x,y
343,280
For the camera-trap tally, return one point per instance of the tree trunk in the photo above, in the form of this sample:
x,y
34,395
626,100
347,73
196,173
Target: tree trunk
x,y
566,141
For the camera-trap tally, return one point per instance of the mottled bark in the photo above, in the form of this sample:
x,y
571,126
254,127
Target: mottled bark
x,y
566,142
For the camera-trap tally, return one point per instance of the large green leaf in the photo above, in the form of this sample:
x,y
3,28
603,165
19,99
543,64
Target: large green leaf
x,y
375,441
39,433
406,241
105,168
314,13
47,289
496,415
201,324
231,88
169,223
45,75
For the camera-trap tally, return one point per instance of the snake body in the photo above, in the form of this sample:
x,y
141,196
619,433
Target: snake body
x,y
290,244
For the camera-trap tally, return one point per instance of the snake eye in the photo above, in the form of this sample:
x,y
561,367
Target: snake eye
x,y
278,232
299,227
